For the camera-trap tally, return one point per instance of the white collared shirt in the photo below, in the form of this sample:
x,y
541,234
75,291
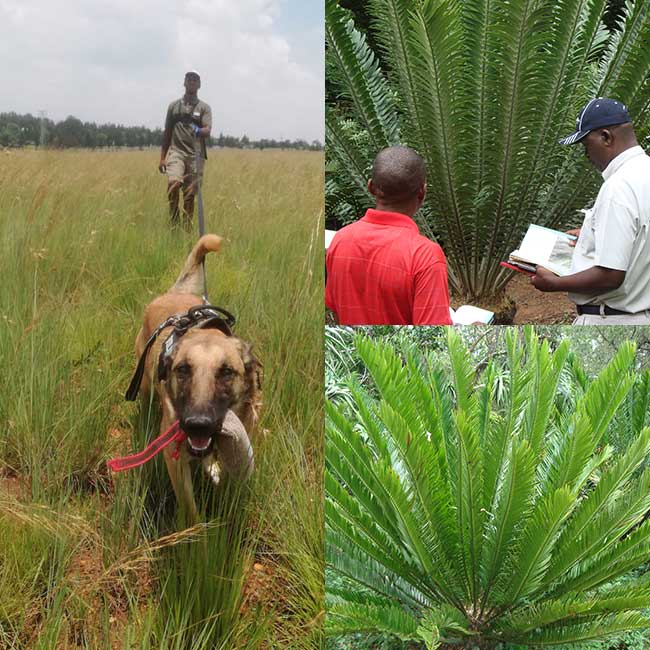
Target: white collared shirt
x,y
614,233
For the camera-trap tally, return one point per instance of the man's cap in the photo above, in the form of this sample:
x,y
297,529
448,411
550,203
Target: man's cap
x,y
189,73
596,114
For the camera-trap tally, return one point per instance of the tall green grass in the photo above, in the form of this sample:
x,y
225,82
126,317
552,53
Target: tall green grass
x,y
93,561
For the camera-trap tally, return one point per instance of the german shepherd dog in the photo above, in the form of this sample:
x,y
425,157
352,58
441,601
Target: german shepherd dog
x,y
210,383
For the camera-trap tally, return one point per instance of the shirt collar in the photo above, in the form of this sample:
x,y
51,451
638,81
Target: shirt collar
x,y
396,219
620,160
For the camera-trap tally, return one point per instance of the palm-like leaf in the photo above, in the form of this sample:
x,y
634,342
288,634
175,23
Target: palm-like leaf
x,y
483,90
455,516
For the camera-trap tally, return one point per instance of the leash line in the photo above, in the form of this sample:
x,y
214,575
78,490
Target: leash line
x,y
199,195
173,434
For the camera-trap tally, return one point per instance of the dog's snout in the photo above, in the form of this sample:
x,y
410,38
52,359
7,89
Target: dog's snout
x,y
198,422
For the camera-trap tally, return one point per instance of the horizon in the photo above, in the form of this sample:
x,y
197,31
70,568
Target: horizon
x,y
213,136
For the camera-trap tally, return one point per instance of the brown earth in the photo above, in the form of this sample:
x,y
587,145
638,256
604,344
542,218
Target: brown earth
x,y
13,486
537,307
260,586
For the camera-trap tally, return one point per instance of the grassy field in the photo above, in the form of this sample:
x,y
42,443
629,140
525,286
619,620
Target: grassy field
x,y
88,560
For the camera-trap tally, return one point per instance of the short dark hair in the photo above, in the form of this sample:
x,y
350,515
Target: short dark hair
x,y
398,173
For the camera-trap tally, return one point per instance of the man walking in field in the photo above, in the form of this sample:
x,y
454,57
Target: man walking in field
x,y
380,270
610,283
187,125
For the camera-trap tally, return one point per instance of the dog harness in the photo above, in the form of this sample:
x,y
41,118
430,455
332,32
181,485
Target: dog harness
x,y
200,317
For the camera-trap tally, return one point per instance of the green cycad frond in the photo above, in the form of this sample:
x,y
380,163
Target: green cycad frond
x,y
400,583
434,45
569,455
414,459
545,369
581,536
537,542
605,395
521,40
499,435
627,65
462,370
514,499
502,514
628,554
469,501
343,618
583,607
363,83
392,22
599,628
641,401
341,148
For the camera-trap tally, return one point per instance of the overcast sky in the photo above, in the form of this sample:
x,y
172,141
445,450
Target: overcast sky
x,y
123,61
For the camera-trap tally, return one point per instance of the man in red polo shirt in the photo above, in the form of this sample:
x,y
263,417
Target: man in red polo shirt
x,y
380,270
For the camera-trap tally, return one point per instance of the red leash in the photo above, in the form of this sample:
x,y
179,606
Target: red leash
x,y
173,434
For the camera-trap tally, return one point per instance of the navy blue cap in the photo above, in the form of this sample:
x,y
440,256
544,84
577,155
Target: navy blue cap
x,y
596,114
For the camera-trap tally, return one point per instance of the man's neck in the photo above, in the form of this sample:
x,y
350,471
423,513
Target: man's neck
x,y
621,150
190,99
408,210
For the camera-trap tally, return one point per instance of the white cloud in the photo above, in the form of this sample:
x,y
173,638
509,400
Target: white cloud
x,y
123,61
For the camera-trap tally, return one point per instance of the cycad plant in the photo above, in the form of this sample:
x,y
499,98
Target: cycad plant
x,y
453,516
483,90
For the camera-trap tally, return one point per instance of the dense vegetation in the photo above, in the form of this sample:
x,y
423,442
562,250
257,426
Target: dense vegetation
x,y
479,499
22,130
93,561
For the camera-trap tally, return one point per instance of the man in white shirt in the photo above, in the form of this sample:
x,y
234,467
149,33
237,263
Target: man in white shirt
x,y
611,280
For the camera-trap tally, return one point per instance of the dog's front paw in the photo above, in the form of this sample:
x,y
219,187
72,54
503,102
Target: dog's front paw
x,y
212,469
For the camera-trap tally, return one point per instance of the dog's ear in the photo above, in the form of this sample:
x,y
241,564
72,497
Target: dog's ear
x,y
252,365
166,357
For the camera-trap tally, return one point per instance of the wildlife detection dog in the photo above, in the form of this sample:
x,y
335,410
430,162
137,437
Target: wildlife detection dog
x,y
204,377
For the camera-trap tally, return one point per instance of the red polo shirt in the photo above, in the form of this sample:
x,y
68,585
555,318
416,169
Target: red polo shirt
x,y
381,271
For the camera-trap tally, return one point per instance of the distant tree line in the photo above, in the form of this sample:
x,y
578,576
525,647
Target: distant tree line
x,y
24,130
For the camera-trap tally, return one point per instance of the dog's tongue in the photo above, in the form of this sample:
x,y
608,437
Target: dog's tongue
x,y
199,443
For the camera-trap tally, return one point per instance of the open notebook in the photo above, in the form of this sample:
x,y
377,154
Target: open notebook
x,y
470,315
544,247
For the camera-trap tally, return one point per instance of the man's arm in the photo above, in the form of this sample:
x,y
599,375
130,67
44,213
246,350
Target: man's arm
x,y
431,299
206,123
597,279
166,140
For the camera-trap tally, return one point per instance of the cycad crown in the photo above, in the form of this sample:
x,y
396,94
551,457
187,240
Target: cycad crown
x,y
483,509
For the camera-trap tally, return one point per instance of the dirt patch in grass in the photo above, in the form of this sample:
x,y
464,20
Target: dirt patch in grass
x,y
13,485
93,585
260,586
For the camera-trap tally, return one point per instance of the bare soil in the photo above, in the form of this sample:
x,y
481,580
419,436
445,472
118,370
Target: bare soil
x,y
13,485
537,307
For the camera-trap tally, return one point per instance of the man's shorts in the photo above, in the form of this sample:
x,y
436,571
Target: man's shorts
x,y
181,167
